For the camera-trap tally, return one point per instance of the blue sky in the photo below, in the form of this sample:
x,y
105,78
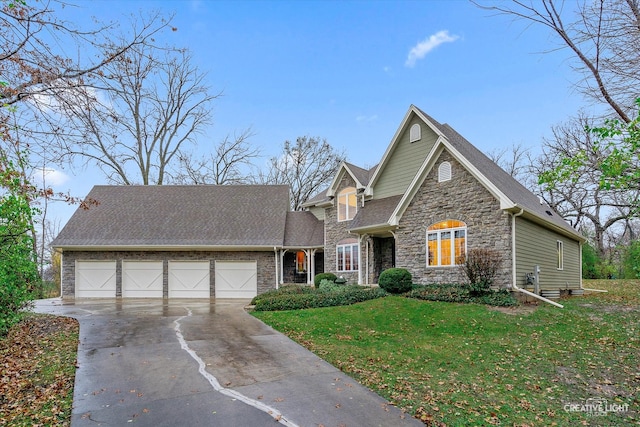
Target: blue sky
x,y
347,71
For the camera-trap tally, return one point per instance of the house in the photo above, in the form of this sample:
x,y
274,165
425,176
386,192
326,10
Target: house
x,y
432,197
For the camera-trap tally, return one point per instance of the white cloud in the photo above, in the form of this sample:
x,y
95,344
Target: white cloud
x,y
365,119
420,50
47,177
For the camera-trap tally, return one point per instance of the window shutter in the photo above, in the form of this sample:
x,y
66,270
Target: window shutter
x,y
415,133
444,172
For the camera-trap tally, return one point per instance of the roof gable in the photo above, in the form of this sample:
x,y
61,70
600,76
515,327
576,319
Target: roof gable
x,y
507,190
359,175
403,158
176,216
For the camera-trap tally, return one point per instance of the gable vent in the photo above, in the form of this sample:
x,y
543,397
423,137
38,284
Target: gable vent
x,y
415,133
444,172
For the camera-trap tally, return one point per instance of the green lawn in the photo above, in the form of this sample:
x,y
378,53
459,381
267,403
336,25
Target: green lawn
x,y
468,364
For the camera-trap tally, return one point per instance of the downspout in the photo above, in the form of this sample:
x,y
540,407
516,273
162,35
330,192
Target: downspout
x,y
514,285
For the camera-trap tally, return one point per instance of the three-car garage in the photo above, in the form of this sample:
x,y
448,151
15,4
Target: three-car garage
x,y
170,278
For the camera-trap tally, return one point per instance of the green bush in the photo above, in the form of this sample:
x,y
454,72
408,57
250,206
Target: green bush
x,y
346,295
590,261
330,286
395,280
284,290
631,262
18,270
323,276
462,294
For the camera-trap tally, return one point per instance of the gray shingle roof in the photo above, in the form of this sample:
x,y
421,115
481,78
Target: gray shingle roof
x,y
189,215
362,175
303,230
511,188
375,212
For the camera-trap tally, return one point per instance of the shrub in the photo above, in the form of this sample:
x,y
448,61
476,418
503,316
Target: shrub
x,y
330,286
461,293
346,295
324,276
395,280
631,262
18,270
480,266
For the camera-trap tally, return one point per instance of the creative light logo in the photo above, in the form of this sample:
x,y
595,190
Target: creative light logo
x,y
596,407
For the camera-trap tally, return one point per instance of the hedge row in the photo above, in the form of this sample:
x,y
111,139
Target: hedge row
x,y
461,293
296,299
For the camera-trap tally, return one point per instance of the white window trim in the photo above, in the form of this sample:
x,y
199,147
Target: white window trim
x,y
347,213
452,241
355,255
560,254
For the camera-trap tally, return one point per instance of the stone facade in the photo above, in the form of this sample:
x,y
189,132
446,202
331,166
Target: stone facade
x,y
462,198
265,265
336,231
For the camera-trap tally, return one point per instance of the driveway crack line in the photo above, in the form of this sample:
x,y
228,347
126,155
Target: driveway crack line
x,y
277,415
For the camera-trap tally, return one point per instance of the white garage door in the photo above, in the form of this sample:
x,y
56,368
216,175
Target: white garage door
x,y
95,279
189,279
236,279
142,279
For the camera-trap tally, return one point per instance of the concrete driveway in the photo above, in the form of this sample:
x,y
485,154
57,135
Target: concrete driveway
x,y
197,363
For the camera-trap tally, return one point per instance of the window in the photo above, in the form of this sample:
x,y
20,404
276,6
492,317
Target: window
x,y
301,262
347,257
444,172
446,243
560,255
347,204
415,133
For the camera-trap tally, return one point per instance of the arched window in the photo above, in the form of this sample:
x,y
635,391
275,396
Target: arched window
x,y
415,133
446,243
347,204
444,172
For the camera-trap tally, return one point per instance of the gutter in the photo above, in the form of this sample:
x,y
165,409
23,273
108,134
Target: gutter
x,y
514,285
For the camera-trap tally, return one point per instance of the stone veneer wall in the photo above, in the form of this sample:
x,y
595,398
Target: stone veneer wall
x,y
335,231
461,198
265,265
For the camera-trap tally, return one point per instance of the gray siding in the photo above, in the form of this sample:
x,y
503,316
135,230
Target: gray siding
x,y
266,265
536,245
404,161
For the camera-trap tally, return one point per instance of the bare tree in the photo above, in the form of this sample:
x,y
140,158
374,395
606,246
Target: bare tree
x,y
29,65
581,200
146,106
306,166
514,161
604,39
229,163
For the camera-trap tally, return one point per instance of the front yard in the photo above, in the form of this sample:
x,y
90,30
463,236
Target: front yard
x,y
467,364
